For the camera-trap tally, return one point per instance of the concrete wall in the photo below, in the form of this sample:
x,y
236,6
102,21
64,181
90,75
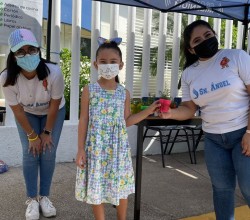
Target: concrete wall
x,y
11,151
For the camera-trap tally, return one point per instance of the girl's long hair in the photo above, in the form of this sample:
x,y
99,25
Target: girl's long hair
x,y
110,45
189,57
13,70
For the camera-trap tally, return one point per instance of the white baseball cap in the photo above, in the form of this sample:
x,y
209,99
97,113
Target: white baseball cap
x,y
20,38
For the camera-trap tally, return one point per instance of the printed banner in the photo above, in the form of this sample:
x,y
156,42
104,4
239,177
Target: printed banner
x,y
20,14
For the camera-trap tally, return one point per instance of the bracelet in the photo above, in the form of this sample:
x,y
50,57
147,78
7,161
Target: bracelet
x,y
33,139
30,133
248,131
48,132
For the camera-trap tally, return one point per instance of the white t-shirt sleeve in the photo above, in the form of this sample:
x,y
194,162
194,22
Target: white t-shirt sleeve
x,y
185,87
243,65
57,87
10,92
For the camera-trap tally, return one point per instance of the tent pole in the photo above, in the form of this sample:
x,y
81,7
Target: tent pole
x,y
244,36
245,23
49,30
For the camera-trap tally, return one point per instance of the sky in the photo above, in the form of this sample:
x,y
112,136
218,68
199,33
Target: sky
x,y
66,12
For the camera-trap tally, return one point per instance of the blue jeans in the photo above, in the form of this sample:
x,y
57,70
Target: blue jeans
x,y
225,162
45,162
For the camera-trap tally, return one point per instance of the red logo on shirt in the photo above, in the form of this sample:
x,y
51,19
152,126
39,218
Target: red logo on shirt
x,y
45,84
224,62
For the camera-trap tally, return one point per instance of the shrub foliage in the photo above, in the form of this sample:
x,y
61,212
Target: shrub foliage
x,y
65,64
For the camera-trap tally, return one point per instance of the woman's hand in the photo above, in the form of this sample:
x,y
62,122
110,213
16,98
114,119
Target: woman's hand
x,y
246,144
46,141
165,115
81,159
185,111
35,144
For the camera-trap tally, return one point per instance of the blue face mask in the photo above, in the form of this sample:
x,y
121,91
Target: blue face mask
x,y
28,62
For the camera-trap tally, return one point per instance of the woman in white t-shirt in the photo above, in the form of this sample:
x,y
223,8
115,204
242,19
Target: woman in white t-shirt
x,y
34,88
218,82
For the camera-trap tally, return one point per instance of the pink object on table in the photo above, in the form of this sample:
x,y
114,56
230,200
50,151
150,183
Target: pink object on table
x,y
165,104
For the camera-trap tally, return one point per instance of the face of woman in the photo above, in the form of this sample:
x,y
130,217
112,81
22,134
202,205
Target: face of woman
x,y
27,57
199,34
203,42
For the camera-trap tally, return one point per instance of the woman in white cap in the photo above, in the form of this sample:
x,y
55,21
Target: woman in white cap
x,y
33,88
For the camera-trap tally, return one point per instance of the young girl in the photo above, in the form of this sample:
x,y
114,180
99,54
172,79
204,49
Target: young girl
x,y
105,172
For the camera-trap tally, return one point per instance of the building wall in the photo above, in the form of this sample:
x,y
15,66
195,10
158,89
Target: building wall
x,y
66,30
65,34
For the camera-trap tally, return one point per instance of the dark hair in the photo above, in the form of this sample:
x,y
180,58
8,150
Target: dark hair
x,y
110,45
13,70
192,58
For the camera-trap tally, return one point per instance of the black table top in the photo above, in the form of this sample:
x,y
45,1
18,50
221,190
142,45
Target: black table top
x,y
157,121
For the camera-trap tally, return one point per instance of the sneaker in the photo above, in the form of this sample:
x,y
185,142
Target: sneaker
x,y
32,211
47,207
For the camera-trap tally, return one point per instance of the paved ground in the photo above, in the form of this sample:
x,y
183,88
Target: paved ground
x,y
180,190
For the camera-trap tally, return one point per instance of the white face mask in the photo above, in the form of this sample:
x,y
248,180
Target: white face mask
x,y
108,71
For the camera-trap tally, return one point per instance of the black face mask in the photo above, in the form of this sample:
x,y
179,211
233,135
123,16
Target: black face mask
x,y
207,48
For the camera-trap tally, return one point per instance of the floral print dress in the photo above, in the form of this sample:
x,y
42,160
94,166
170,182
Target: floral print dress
x,y
108,175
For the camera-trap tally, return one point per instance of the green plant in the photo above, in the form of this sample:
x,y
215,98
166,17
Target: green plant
x,y
65,64
165,94
135,105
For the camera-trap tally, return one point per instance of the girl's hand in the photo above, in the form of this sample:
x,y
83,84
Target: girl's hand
x,y
153,107
46,142
81,159
246,144
35,145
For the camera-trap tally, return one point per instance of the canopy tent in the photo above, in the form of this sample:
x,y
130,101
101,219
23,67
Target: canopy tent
x,y
225,9
229,9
